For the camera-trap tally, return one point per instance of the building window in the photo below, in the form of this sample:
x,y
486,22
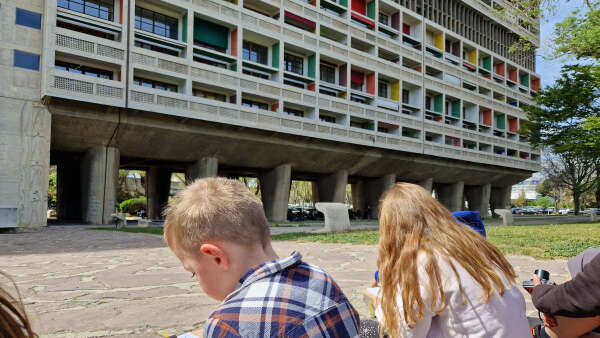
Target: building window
x,y
384,19
209,95
254,52
356,86
156,23
29,19
254,104
293,63
85,70
405,96
26,60
327,73
382,89
326,118
103,9
154,84
293,112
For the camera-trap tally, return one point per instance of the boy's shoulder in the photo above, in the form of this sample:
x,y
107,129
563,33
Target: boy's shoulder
x,y
283,296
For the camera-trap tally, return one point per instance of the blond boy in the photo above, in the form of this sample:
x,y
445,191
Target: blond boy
x,y
218,230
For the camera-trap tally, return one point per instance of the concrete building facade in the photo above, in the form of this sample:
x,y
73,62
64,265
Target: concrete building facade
x,y
337,92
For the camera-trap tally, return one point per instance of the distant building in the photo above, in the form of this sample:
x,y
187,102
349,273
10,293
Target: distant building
x,y
528,186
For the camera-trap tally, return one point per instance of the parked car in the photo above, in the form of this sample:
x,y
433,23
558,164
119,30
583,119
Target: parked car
x,y
565,211
590,210
517,211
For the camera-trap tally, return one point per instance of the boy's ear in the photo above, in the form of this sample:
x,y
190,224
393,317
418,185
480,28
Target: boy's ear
x,y
216,254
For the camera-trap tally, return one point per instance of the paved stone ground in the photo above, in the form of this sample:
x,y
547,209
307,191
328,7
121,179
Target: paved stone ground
x,y
81,283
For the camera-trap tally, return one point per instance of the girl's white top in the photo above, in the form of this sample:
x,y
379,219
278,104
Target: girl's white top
x,y
501,316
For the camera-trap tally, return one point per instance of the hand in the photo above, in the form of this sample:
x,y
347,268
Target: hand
x,y
549,320
536,280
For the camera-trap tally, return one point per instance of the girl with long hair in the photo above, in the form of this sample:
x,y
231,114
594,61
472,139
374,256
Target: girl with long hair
x,y
439,278
13,319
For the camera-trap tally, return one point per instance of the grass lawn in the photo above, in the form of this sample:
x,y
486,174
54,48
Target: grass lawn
x,y
538,241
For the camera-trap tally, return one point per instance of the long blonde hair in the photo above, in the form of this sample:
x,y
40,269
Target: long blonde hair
x,y
413,223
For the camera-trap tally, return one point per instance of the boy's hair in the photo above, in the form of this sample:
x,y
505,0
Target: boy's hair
x,y
215,208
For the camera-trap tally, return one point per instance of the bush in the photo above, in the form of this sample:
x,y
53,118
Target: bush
x,y
133,205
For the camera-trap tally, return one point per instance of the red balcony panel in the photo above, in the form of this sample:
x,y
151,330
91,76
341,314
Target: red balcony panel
x,y
302,21
364,20
359,6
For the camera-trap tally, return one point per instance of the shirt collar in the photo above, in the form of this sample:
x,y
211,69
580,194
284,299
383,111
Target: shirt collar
x,y
266,269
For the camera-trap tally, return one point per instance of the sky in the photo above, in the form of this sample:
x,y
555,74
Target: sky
x,y
548,69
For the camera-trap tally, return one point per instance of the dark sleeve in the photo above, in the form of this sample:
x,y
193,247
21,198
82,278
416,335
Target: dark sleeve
x,y
579,297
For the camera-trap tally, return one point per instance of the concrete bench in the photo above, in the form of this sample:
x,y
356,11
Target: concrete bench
x,y
336,216
121,220
507,216
144,223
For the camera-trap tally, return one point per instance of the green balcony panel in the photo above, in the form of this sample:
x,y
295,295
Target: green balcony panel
x,y
275,56
456,108
211,33
487,63
524,80
500,122
312,66
184,27
438,104
371,10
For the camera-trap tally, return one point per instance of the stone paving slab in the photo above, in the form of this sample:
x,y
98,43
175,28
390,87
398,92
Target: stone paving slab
x,y
81,283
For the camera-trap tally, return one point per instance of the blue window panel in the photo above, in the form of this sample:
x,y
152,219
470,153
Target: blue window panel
x,y
29,19
26,60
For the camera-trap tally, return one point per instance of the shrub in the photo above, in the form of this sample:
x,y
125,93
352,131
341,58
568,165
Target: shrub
x,y
133,205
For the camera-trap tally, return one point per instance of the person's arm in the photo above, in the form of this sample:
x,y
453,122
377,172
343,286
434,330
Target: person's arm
x,y
579,297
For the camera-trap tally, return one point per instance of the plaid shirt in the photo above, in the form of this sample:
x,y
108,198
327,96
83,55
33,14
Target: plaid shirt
x,y
285,298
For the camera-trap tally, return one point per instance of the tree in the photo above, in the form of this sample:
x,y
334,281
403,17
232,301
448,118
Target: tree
x,y
552,188
544,202
557,120
52,188
574,172
521,201
578,35
560,123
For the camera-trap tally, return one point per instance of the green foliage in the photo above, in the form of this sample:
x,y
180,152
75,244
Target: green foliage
x,y
579,35
521,201
556,121
133,205
544,202
52,188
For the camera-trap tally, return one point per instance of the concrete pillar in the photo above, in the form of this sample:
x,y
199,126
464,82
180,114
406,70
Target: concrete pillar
x,y
275,191
333,187
205,167
427,184
99,180
68,192
478,197
374,190
451,195
315,192
359,202
158,187
500,198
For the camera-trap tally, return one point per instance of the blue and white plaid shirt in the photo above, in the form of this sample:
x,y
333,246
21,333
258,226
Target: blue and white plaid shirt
x,y
285,298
